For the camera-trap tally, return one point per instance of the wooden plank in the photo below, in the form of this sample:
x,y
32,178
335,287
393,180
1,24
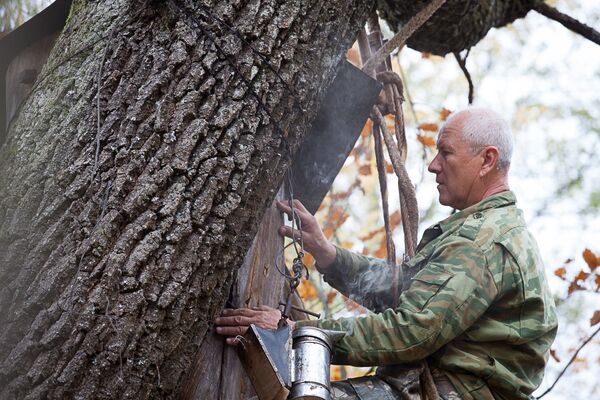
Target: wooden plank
x,y
217,372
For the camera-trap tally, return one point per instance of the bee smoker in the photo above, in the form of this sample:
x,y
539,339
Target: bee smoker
x,y
279,371
312,357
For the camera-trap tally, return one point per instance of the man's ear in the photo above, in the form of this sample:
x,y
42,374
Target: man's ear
x,y
490,160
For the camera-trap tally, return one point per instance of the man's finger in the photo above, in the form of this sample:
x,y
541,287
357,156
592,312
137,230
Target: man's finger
x,y
237,311
288,232
264,308
235,320
299,210
231,330
298,204
284,207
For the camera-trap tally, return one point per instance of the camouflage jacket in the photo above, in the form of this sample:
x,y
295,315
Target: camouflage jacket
x,y
478,306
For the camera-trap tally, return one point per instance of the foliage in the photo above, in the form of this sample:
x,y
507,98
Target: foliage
x,y
15,12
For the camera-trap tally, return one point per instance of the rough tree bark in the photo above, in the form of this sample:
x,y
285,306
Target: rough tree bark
x,y
134,179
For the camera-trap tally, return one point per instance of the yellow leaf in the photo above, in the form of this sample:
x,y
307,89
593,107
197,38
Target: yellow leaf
x,y
353,56
307,291
553,354
381,252
364,170
591,259
581,276
428,127
573,287
595,318
366,130
445,113
335,372
426,140
331,296
309,260
560,272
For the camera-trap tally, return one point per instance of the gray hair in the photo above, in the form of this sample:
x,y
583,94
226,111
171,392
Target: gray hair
x,y
484,127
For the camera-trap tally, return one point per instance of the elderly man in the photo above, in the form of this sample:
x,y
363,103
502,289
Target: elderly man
x,y
478,309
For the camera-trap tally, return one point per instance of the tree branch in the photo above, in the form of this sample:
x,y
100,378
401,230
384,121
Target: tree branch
x,y
569,363
568,22
462,63
401,37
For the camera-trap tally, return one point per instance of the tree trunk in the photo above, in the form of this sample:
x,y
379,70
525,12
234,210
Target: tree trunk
x,y
134,178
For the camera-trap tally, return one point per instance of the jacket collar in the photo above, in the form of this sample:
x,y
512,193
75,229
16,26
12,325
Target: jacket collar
x,y
497,200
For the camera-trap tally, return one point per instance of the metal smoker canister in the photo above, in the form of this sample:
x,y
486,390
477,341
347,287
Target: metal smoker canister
x,y
311,360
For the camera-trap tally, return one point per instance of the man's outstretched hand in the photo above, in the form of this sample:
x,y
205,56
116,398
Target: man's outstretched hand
x,y
233,322
314,240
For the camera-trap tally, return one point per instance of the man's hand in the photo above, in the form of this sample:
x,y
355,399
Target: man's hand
x,y
235,321
314,240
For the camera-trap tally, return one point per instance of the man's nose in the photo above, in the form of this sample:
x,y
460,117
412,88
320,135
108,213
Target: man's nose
x,y
434,165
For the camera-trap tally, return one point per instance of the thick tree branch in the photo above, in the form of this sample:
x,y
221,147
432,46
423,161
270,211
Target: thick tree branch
x,y
568,22
401,37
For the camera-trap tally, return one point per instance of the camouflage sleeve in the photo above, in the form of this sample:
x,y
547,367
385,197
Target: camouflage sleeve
x,y
448,295
363,279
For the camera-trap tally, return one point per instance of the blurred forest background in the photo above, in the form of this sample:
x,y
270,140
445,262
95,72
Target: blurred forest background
x,y
545,80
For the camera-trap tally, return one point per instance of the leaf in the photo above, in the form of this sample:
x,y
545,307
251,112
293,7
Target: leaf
x,y
335,372
389,168
595,318
366,130
337,217
364,169
430,127
553,354
309,261
328,232
307,291
381,252
597,280
591,259
390,122
425,54
560,272
353,56
573,287
581,276
331,296
445,113
427,141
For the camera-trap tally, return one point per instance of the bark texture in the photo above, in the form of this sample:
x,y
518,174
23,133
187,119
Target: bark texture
x,y
134,178
457,25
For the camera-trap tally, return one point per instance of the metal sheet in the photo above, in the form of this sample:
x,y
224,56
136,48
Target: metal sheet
x,y
342,115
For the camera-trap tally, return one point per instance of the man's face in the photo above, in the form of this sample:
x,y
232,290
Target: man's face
x,y
456,168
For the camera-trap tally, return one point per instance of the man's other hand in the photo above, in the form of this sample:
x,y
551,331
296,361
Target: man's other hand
x,y
314,240
235,321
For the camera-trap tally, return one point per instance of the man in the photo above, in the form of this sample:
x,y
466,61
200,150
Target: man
x,y
478,309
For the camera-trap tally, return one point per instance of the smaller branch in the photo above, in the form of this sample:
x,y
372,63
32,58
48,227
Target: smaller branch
x,y
462,63
401,37
569,363
567,21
